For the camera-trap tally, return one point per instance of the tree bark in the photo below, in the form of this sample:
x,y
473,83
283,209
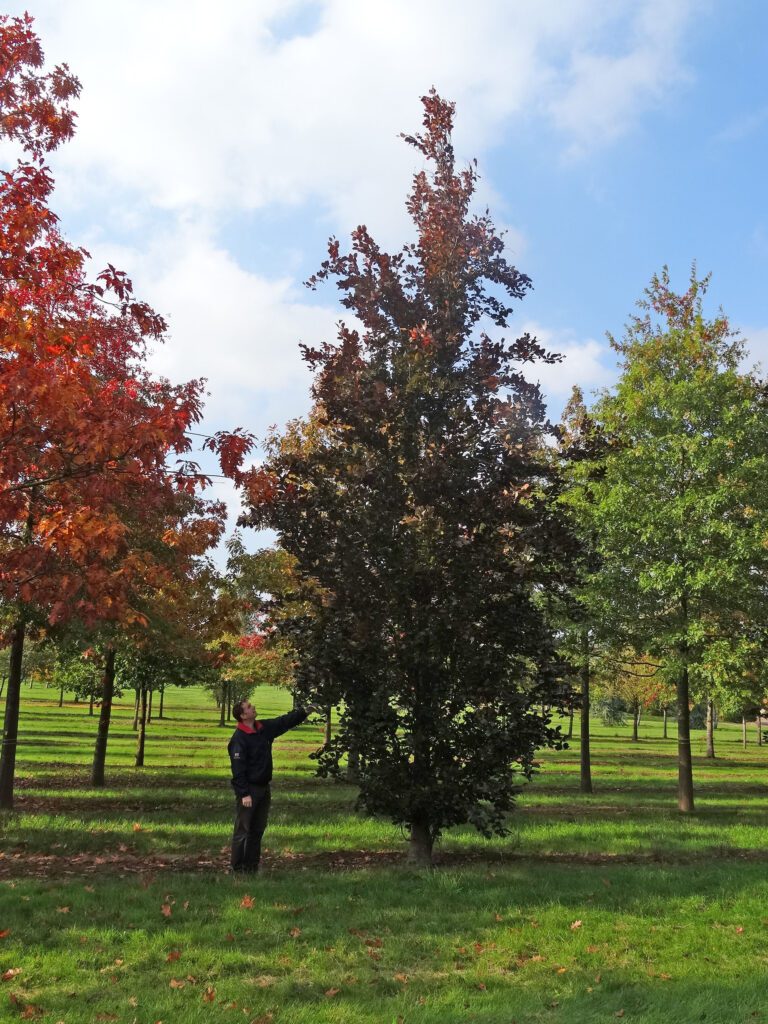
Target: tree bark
x,y
327,732
664,713
635,721
570,721
11,721
353,765
91,699
136,710
744,731
420,845
149,706
223,705
585,758
102,735
162,699
759,729
710,729
61,696
139,762
684,760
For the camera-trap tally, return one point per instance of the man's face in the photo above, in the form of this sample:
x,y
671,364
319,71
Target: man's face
x,y
248,713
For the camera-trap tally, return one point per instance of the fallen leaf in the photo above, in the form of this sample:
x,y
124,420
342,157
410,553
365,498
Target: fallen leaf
x,y
562,970
5,933
209,995
62,910
295,933
620,1013
606,883
191,979
172,956
30,1011
481,986
165,910
137,826
177,983
664,976
229,937
247,902
376,943
331,992
575,926
593,949
598,978
740,930
89,888
10,973
401,977
498,917
106,1016
185,904
133,1001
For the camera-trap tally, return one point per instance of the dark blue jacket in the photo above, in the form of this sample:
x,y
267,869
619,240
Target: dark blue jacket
x,y
250,753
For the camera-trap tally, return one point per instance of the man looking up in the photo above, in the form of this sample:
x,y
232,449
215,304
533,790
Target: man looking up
x,y
250,754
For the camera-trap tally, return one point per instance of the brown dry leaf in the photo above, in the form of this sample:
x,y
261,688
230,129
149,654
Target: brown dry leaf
x,y
5,933
576,925
295,933
331,992
619,1013
10,973
265,1018
593,949
209,995
191,979
106,1016
137,826
185,904
30,1012
229,937
376,943
175,954
481,986
537,958
133,1001
165,910
401,977
498,917
246,902
265,981
562,970
664,976
62,910
740,930
177,983
89,888
598,978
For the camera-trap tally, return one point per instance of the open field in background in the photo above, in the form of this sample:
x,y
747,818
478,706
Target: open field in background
x,y
594,908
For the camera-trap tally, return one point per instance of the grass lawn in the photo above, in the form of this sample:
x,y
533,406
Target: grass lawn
x,y
114,905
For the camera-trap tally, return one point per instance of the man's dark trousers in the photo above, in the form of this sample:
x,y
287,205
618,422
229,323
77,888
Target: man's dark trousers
x,y
250,823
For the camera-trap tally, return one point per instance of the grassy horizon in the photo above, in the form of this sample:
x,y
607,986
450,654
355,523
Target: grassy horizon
x,y
594,908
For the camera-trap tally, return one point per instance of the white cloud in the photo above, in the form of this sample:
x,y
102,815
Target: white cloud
x,y
197,109
585,362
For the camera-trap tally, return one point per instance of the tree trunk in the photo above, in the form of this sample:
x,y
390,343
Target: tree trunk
x,y
136,710
149,706
162,699
759,729
420,845
102,735
61,696
744,731
353,765
635,721
91,699
223,705
327,732
11,722
586,765
684,760
139,762
570,721
2,683
710,729
664,713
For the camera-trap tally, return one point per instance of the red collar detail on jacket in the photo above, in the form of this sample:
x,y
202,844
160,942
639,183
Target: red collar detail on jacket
x,y
247,728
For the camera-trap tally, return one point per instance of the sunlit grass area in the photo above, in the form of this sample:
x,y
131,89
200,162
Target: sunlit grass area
x,y
114,904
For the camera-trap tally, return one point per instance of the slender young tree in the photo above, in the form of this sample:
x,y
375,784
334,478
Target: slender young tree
x,y
417,497
681,507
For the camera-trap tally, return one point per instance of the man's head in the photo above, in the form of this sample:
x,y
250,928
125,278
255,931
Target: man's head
x,y
244,712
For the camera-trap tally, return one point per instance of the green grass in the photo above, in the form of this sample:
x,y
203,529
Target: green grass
x,y
672,910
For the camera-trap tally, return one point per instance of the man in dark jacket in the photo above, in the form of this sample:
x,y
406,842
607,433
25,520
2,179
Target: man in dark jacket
x,y
250,754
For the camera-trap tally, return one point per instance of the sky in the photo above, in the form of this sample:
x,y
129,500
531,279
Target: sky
x,y
218,147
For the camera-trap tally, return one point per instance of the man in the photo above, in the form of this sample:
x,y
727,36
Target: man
x,y
250,754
